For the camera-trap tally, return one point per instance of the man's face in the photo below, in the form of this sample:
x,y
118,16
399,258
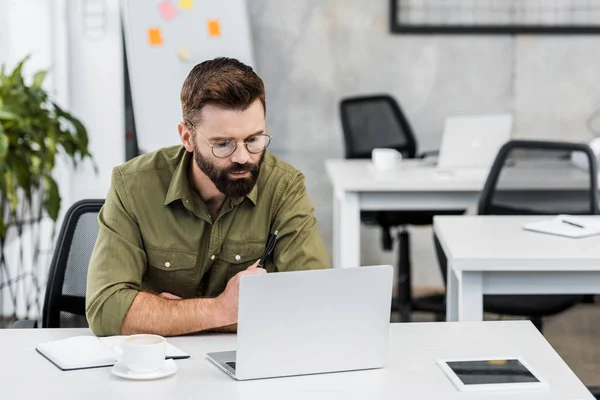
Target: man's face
x,y
236,174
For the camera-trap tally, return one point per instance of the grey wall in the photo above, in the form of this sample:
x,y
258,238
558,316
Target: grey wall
x,y
312,53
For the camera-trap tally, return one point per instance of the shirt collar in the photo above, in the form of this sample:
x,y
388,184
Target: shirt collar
x,y
180,188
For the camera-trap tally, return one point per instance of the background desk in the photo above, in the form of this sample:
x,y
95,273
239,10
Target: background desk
x,y
495,255
418,185
411,373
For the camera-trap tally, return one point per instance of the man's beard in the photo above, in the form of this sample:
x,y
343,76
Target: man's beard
x,y
239,187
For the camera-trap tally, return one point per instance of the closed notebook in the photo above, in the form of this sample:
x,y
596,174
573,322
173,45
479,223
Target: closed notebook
x,y
81,352
567,226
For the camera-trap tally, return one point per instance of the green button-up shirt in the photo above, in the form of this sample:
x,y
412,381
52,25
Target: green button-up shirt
x,y
156,234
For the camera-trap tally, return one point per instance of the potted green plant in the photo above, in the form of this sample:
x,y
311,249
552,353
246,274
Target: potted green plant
x,y
34,130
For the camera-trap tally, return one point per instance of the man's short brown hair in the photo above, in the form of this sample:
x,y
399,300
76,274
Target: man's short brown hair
x,y
223,82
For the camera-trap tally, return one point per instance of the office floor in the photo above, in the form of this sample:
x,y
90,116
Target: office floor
x,y
574,334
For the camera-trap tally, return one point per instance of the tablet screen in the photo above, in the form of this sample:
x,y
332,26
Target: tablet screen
x,y
483,372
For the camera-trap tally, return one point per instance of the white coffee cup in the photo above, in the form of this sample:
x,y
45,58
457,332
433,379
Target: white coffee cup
x,y
142,353
385,159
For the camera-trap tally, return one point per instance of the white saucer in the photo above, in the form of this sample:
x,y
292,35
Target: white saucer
x,y
121,370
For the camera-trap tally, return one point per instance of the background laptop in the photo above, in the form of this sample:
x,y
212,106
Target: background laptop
x,y
308,322
473,141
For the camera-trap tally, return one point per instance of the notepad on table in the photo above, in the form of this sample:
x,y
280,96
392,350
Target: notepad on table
x,y
82,352
567,225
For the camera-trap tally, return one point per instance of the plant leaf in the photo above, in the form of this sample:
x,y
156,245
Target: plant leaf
x,y
38,79
7,115
16,75
11,190
51,197
4,143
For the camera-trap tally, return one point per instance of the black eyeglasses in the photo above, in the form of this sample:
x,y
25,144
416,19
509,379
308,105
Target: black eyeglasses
x,y
223,148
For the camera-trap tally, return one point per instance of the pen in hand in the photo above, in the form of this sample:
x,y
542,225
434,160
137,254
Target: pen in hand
x,y
268,248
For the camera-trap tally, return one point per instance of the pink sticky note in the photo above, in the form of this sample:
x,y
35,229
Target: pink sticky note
x,y
167,10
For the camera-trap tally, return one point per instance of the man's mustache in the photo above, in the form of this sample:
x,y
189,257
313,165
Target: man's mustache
x,y
242,167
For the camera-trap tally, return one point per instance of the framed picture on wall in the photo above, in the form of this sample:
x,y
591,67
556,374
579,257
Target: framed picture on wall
x,y
495,16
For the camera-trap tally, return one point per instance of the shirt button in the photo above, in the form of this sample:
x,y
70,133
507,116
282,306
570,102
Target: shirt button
x,y
167,264
238,257
212,257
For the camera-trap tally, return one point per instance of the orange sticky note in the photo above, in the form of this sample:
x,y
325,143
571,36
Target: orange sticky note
x,y
154,37
214,27
186,4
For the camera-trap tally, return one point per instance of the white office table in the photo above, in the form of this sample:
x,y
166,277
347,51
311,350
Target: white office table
x,y
418,185
411,373
494,255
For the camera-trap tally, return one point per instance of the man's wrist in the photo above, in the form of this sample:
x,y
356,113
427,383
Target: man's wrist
x,y
219,312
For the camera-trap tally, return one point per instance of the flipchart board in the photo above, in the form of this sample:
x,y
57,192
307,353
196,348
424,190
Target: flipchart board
x,y
164,39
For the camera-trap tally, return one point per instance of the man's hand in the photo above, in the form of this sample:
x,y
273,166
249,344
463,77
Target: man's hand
x,y
228,300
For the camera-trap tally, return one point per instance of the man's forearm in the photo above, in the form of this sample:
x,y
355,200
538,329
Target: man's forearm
x,y
153,314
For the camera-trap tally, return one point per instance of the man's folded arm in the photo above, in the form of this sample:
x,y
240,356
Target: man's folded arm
x,y
115,303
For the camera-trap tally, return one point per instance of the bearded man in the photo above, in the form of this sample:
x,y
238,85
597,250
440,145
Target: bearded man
x,y
181,225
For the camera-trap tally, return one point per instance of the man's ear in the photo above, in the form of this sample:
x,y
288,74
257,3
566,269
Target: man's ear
x,y
187,140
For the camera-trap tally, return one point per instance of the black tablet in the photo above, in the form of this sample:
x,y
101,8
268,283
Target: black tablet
x,y
492,374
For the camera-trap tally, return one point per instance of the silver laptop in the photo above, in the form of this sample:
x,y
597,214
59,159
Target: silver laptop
x,y
310,322
472,142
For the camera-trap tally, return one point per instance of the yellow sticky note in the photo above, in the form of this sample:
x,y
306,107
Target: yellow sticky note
x,y
155,36
184,53
497,362
214,27
186,4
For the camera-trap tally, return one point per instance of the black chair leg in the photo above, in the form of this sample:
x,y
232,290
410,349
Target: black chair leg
x,y
404,282
537,322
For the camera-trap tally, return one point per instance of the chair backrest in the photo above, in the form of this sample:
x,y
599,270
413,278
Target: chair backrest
x,y
64,305
521,165
371,122
539,177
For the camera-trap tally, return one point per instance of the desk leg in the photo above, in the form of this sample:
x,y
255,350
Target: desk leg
x,y
451,293
470,296
346,230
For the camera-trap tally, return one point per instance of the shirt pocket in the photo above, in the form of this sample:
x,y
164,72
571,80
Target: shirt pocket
x,y
240,255
171,271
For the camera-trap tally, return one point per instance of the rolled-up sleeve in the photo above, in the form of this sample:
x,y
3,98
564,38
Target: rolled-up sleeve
x,y
299,245
117,264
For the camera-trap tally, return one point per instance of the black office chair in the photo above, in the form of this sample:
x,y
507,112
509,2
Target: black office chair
x,y
64,304
507,192
370,122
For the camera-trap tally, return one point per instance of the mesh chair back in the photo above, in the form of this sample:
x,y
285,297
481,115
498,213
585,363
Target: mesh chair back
x,y
375,121
536,177
64,306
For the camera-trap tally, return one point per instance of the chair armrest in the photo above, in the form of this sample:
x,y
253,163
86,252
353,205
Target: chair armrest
x,y
431,153
25,324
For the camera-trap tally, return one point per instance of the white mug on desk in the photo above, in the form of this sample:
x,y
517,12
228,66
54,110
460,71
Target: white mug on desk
x,y
385,159
142,353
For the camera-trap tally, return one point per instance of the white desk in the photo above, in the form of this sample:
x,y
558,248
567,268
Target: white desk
x,y
494,255
418,185
411,373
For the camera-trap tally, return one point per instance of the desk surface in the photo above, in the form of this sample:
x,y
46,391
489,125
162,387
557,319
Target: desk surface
x,y
500,242
411,372
419,175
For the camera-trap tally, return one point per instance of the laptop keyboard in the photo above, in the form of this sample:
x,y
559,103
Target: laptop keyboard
x,y
231,364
